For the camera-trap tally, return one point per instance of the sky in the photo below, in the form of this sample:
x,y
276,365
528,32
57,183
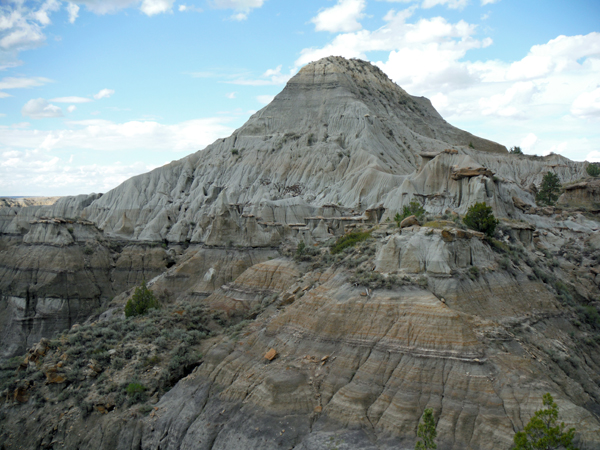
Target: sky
x,y
93,92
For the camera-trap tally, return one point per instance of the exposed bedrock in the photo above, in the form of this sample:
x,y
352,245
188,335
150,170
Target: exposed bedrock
x,y
369,365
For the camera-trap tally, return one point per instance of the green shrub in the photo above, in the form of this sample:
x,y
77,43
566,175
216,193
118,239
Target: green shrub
x,y
543,431
414,208
473,272
136,392
549,189
480,217
516,150
593,170
426,432
142,300
235,151
349,240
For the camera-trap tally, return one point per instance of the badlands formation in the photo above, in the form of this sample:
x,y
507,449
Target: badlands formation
x,y
259,345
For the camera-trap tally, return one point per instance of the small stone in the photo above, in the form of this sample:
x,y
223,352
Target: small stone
x,y
318,409
271,354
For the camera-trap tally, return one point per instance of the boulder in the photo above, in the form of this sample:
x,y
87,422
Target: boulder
x,y
409,222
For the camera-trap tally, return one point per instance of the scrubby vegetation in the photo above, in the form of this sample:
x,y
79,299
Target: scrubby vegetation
x,y
481,218
516,150
119,363
349,240
592,170
141,302
413,208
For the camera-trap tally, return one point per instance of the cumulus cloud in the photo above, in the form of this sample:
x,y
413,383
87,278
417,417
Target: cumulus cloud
x,y
73,11
32,157
71,108
343,17
71,100
488,2
230,95
104,93
152,7
22,173
587,104
21,24
39,108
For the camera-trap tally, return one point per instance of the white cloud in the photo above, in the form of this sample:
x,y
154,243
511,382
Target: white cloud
x,y
239,16
343,17
32,157
152,7
20,83
265,99
230,95
71,108
73,11
270,77
242,7
488,2
71,100
528,143
106,6
237,4
41,15
104,93
31,169
40,109
104,135
452,4
21,25
587,104
186,8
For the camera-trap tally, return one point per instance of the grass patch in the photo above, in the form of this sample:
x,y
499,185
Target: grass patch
x,y
349,240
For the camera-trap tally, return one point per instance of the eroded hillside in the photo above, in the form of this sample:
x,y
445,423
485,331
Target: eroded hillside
x,y
268,340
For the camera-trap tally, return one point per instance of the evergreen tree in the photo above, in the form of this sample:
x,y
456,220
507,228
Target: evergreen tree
x,y
543,433
549,189
593,170
142,300
426,432
480,218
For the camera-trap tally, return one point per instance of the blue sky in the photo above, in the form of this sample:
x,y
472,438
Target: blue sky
x,y
93,92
